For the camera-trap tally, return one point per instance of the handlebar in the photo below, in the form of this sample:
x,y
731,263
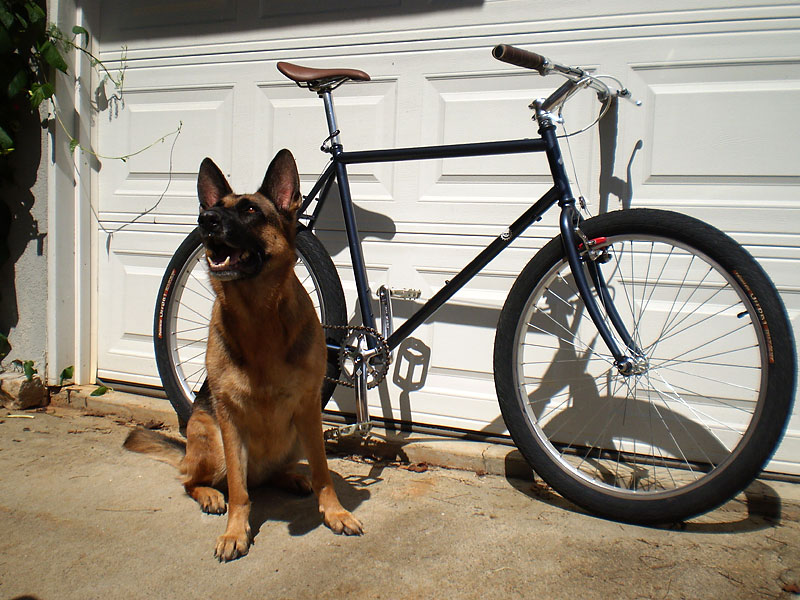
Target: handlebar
x,y
530,60
577,77
521,58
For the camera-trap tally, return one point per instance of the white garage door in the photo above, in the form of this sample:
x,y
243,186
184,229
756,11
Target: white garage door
x,y
717,137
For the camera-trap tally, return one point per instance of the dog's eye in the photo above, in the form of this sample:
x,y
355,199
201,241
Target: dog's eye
x,y
251,210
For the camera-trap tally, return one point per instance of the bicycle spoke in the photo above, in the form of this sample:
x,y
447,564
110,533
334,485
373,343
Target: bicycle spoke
x,y
566,341
630,298
198,313
716,339
209,298
708,378
201,327
191,378
188,320
190,343
717,401
671,331
677,398
202,283
191,358
702,360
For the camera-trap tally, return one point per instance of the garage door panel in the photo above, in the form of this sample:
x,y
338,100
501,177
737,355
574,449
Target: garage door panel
x,y
167,167
128,16
730,122
294,118
129,278
472,107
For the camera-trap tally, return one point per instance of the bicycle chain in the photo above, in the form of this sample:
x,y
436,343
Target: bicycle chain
x,y
382,352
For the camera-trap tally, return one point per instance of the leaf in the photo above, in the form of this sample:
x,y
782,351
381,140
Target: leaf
x,y
792,588
67,373
35,12
100,391
6,18
6,143
73,143
28,369
53,57
17,83
78,30
6,44
420,467
5,347
22,21
40,92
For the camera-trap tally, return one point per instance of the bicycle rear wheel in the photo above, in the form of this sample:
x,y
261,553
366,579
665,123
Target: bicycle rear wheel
x,y
704,416
183,311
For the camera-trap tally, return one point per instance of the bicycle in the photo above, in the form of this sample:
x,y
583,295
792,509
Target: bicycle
x,y
643,361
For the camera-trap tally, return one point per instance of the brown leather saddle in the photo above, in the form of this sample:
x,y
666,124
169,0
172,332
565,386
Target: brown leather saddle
x,y
320,79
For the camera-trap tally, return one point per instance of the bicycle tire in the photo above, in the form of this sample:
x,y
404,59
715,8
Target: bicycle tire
x,y
183,310
700,423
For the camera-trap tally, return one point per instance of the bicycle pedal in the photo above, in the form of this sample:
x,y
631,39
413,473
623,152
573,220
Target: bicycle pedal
x,y
405,294
335,433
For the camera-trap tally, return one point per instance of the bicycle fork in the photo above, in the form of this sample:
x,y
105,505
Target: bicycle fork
x,y
627,363
630,362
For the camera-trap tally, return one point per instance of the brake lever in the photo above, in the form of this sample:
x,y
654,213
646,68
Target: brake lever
x,y
625,93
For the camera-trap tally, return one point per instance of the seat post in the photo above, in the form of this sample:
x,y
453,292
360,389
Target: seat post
x,y
330,115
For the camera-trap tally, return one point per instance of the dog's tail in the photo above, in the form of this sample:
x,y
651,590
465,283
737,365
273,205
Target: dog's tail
x,y
157,445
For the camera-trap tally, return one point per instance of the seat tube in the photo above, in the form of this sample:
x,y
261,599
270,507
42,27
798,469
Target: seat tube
x,y
348,214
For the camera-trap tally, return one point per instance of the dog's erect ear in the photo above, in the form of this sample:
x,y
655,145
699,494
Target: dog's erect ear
x,y
211,184
282,183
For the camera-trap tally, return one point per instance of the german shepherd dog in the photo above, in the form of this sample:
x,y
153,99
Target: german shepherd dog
x,y
266,362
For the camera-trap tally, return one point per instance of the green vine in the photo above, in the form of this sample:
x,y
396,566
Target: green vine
x,y
31,51
29,55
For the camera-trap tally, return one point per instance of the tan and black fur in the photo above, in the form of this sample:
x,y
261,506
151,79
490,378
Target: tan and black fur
x,y
260,410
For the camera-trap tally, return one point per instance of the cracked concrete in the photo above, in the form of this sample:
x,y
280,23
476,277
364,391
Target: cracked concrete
x,y
82,518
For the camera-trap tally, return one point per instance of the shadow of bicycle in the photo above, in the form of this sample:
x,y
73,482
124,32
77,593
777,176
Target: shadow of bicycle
x,y
757,507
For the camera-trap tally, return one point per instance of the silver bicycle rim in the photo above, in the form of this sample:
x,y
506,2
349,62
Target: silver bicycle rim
x,y
678,424
190,314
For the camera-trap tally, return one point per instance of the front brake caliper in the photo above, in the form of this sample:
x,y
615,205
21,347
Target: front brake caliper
x,y
595,249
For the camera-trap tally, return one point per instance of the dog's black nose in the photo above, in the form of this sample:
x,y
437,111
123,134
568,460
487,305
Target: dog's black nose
x,y
209,220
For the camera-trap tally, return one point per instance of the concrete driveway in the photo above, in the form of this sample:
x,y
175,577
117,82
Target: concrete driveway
x,y
82,518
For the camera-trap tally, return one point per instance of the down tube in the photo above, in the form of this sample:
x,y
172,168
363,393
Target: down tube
x,y
514,230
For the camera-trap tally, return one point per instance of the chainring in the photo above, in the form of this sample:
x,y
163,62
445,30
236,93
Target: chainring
x,y
354,343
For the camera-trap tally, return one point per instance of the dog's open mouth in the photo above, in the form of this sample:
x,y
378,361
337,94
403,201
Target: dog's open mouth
x,y
226,262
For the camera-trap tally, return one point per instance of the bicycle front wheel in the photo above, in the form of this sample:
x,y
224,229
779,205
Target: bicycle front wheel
x,y
698,422
184,306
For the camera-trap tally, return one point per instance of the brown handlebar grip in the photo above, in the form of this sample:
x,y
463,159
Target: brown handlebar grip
x,y
519,57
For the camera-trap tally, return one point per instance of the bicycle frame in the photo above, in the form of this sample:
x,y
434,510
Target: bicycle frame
x,y
560,193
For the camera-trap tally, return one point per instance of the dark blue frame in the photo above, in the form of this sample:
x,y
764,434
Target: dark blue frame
x,y
560,193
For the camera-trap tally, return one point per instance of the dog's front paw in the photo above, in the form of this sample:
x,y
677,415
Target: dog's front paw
x,y
341,521
294,483
212,501
232,545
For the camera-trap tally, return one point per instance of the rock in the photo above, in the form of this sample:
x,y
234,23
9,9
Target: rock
x,y
17,393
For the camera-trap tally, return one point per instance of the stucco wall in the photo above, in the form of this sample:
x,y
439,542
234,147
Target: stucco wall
x,y
23,272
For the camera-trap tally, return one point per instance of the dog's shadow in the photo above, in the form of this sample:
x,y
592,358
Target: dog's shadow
x,y
301,513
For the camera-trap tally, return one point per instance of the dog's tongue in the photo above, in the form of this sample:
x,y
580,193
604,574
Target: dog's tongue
x,y
224,261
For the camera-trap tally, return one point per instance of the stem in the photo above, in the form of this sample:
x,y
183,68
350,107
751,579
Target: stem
x,y
124,157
